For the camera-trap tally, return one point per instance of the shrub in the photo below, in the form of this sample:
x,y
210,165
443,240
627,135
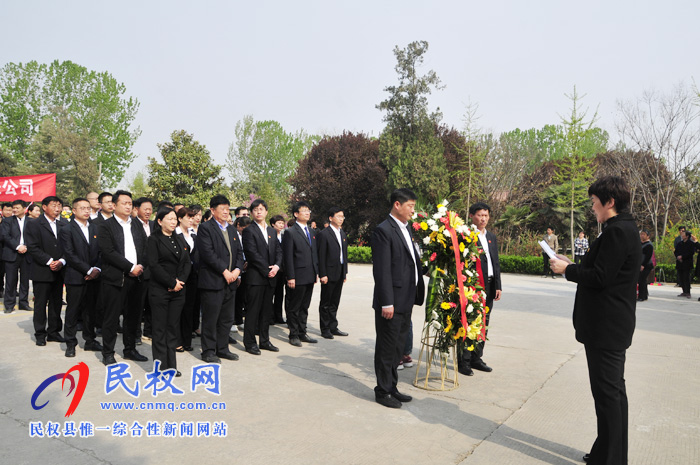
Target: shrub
x,y
523,265
359,254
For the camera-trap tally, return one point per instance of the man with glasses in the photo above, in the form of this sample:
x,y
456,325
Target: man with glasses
x,y
333,268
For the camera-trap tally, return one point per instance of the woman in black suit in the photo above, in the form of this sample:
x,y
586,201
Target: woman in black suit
x,y
169,264
604,312
190,311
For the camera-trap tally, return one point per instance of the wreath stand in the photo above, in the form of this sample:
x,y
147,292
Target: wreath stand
x,y
436,371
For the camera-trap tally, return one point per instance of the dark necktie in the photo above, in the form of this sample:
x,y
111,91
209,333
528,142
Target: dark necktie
x,y
308,236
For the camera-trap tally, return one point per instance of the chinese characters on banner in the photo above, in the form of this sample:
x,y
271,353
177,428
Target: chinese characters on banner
x,y
32,188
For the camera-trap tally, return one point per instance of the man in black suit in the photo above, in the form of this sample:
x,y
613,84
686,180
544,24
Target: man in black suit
x,y
398,286
144,210
333,268
43,246
14,255
6,213
220,264
264,255
301,270
479,213
123,248
106,208
82,253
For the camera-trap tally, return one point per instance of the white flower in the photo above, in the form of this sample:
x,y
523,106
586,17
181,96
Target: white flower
x,y
442,209
474,228
426,240
434,227
415,215
436,325
465,253
446,232
431,222
463,229
469,273
438,215
435,316
470,308
483,294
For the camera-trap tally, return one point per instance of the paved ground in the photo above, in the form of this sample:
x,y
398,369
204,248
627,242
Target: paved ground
x,y
315,404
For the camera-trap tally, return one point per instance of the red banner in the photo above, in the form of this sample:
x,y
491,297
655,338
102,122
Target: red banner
x,y
32,188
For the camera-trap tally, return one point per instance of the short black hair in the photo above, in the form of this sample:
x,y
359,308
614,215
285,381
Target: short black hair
x,y
612,187
644,231
402,196
163,212
298,205
206,216
103,195
242,221
79,199
7,205
120,193
256,203
237,211
196,208
275,219
141,200
218,200
681,227
32,206
479,206
49,199
165,204
332,212
19,202
178,203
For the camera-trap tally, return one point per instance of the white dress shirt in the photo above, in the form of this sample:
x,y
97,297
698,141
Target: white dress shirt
x,y
485,245
129,246
340,241
407,237
54,228
21,230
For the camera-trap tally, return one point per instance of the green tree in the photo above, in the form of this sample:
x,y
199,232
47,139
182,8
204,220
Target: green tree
x,y
187,173
263,158
95,102
60,147
138,185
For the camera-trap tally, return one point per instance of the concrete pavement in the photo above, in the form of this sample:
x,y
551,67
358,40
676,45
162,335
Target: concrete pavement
x,y
315,404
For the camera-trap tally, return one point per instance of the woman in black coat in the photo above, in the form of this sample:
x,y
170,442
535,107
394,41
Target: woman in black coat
x,y
604,312
190,311
169,265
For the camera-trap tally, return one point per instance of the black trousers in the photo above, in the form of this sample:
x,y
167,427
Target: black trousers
x,y
684,272
14,272
145,312
606,371
391,337
217,318
128,298
80,300
642,283
241,300
328,306
166,308
278,301
48,294
258,315
298,301
191,307
546,270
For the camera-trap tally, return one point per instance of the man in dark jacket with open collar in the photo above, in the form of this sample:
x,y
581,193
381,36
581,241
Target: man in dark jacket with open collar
x,y
398,286
46,272
14,255
220,264
123,247
333,268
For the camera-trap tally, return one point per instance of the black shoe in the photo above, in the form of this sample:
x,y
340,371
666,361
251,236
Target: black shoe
x,y
138,341
231,340
401,397
211,359
281,322
337,332
179,349
26,308
178,374
120,329
327,335
586,457
254,350
387,401
149,337
481,366
188,348
70,351
135,356
93,346
41,342
109,360
465,370
227,355
55,338
295,341
269,346
9,311
305,338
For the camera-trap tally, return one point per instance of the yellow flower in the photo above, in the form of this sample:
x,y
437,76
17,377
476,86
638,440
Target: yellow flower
x,y
449,323
451,289
474,328
460,333
470,348
424,225
461,246
445,306
486,309
440,270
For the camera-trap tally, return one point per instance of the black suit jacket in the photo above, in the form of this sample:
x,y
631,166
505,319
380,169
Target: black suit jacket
x,y
213,255
607,286
80,256
300,257
493,255
329,255
394,270
42,246
164,263
260,256
115,266
10,233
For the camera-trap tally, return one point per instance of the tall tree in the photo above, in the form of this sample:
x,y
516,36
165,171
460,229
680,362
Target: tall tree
x,y
187,173
95,102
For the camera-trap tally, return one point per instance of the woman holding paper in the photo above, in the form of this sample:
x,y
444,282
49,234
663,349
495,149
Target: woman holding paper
x,y
604,312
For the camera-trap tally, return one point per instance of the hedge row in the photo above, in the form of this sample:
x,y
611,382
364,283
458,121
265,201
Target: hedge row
x,y
513,264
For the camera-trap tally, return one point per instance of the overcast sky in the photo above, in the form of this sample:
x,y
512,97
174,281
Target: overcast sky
x,y
322,65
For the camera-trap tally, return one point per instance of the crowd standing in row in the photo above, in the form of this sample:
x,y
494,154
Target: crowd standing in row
x,y
184,274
